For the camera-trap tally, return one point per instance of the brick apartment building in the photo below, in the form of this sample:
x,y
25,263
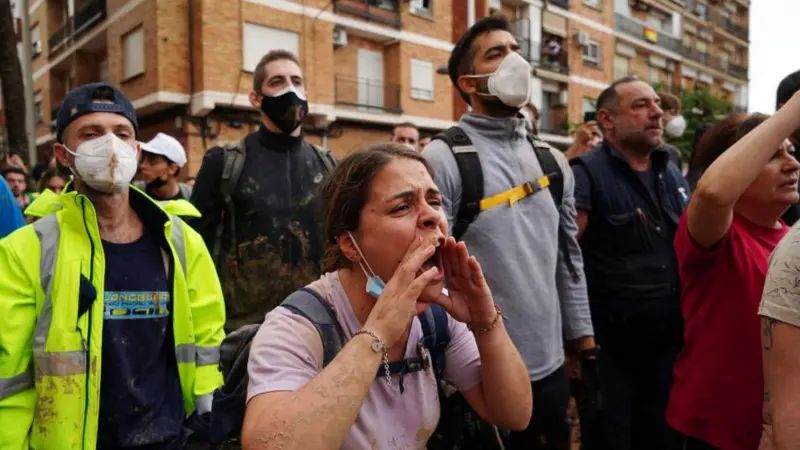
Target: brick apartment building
x,y
369,64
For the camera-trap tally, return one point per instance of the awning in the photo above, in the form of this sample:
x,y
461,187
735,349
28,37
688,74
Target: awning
x,y
626,50
554,24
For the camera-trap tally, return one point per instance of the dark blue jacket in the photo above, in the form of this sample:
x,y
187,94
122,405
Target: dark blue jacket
x,y
629,258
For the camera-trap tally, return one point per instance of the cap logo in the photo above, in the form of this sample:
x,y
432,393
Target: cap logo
x,y
73,111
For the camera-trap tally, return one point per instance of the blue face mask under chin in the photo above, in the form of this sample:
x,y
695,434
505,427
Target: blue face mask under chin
x,y
375,284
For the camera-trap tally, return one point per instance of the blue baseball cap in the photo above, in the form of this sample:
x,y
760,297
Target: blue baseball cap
x,y
90,98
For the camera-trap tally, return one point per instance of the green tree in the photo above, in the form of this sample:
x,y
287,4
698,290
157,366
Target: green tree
x,y
698,106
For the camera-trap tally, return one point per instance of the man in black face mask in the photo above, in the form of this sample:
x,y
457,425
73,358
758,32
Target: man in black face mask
x,y
161,161
258,198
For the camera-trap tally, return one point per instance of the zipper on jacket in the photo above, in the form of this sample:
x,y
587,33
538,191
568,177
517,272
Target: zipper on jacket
x,y
87,342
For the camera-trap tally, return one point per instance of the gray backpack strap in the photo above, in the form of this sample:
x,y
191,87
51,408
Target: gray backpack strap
x,y
233,163
326,156
307,303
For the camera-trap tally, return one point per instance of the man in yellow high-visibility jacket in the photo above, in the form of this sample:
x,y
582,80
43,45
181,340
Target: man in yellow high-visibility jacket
x,y
112,313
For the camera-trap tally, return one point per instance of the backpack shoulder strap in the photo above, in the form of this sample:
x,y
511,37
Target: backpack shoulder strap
x,y
469,167
185,190
436,336
326,156
307,303
233,157
551,168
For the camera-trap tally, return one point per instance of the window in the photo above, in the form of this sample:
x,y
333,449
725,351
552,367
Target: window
x,y
589,105
133,53
259,40
654,75
421,7
723,60
701,47
621,67
36,41
591,53
596,4
655,21
421,80
37,106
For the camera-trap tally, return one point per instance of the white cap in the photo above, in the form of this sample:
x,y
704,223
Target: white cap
x,y
166,146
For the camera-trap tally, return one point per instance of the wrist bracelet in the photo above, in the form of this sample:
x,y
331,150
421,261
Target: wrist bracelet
x,y
491,326
378,346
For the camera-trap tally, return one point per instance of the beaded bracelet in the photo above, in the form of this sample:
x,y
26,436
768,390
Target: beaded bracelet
x,y
491,325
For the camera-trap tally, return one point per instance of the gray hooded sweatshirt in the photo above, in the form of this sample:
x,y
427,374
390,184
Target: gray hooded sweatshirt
x,y
517,246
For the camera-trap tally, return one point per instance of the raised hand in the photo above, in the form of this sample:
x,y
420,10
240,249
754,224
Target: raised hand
x,y
469,299
396,306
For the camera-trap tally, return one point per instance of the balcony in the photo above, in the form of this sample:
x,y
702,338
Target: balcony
x,y
695,54
699,10
367,95
560,3
86,17
629,26
732,28
737,71
383,11
554,54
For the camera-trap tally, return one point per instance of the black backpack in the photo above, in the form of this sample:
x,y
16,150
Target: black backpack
x,y
469,167
233,163
459,427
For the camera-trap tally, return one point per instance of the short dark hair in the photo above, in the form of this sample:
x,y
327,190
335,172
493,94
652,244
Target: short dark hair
x,y
717,140
13,169
787,87
405,125
669,102
48,175
609,98
345,192
259,74
460,62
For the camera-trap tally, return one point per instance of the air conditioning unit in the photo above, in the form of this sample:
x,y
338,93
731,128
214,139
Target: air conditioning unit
x,y
582,38
563,98
339,37
36,48
495,5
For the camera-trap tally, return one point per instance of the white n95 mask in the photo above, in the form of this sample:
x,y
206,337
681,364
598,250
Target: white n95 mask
x,y
676,126
107,164
511,83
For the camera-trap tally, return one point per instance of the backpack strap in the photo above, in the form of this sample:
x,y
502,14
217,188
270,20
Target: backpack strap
x,y
469,167
233,163
307,303
436,336
326,156
552,169
185,190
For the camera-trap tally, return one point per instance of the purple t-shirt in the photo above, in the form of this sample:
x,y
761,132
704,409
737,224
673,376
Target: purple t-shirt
x,y
287,353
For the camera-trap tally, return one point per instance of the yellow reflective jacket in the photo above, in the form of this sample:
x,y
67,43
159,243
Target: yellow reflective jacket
x,y
49,367
44,205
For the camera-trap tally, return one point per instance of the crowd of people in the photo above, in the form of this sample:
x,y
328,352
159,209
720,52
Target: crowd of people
x,y
452,291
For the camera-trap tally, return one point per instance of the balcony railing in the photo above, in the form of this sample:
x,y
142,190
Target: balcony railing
x,y
737,71
367,94
694,54
86,17
560,3
732,28
555,63
384,11
629,26
698,9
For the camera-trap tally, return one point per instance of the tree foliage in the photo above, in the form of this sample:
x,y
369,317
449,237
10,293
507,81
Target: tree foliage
x,y
698,106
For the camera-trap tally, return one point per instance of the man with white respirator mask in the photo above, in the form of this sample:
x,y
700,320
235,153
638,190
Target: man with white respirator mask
x,y
509,197
108,285
674,124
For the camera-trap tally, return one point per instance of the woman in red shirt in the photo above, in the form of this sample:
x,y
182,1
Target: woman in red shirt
x,y
723,244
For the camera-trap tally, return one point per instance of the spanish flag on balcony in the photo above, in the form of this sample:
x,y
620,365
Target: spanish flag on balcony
x,y
650,34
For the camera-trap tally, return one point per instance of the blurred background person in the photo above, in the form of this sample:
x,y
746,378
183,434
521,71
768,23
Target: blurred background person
x,y
693,173
674,125
587,138
161,162
407,134
10,215
17,180
53,180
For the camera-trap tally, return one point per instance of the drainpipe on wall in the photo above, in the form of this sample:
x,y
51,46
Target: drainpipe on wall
x,y
470,13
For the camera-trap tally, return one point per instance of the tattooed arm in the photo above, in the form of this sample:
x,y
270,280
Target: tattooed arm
x,y
781,344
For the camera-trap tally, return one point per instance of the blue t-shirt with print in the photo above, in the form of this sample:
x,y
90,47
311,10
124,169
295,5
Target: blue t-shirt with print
x,y
140,395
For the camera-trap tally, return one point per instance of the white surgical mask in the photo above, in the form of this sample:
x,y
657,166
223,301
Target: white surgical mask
x,y
676,126
375,284
511,83
107,164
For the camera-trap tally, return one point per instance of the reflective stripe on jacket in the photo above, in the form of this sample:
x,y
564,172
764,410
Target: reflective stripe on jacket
x,y
50,359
